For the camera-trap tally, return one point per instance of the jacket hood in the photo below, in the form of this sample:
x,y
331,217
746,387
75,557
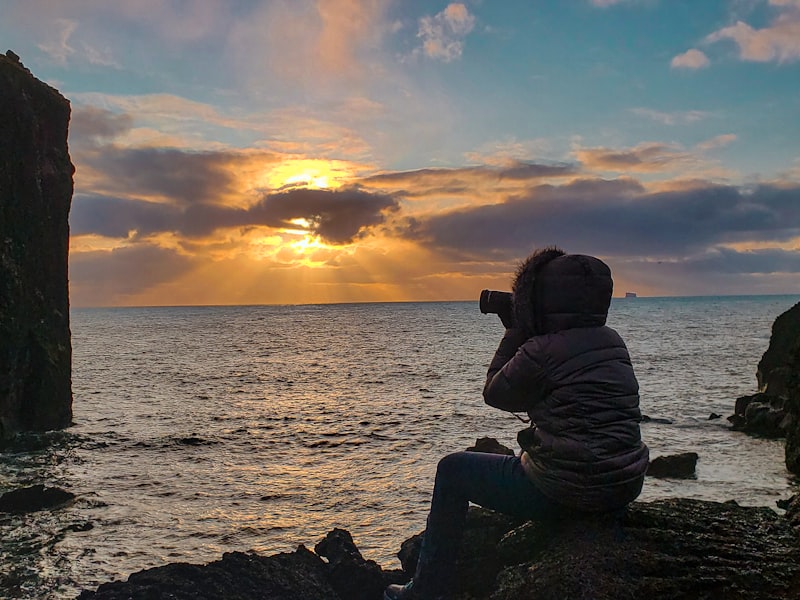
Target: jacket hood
x,y
553,291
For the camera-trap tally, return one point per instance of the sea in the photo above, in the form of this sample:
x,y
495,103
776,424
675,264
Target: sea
x,y
204,430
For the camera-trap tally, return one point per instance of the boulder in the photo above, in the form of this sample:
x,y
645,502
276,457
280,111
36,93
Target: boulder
x,y
760,414
350,574
35,196
679,466
33,498
490,446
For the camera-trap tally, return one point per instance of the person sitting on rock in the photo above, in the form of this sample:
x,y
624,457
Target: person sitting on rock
x,y
583,453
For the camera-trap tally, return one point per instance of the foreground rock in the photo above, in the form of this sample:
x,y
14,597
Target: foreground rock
x,y
679,466
668,549
33,498
35,196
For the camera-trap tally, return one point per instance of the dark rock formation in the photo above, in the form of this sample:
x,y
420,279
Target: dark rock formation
x,y
792,425
35,196
679,466
760,414
490,446
36,497
350,574
774,369
300,575
669,549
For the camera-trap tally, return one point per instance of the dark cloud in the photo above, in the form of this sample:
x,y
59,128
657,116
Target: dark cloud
x,y
96,125
106,277
616,218
117,217
337,216
186,177
518,171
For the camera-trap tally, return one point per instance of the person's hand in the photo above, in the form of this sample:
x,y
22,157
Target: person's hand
x,y
506,318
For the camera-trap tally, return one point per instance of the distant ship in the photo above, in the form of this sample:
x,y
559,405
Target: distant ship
x,y
630,294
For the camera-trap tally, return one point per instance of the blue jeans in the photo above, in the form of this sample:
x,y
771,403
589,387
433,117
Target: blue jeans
x,y
494,481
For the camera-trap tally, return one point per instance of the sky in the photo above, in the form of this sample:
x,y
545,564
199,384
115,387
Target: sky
x,y
315,151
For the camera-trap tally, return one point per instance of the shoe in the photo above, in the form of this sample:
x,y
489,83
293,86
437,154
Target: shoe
x,y
399,592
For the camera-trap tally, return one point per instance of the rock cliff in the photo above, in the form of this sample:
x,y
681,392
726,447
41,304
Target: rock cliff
x,y
35,196
793,407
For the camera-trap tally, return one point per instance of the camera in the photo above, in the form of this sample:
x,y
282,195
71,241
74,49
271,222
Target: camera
x,y
498,303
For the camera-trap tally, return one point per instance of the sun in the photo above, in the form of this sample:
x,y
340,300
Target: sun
x,y
311,173
308,180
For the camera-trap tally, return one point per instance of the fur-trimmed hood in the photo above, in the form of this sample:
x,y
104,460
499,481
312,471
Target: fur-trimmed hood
x,y
553,291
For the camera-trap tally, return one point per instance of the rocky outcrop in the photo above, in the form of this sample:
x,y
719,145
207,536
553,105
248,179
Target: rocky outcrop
x,y
761,414
769,412
793,410
669,549
35,197
774,368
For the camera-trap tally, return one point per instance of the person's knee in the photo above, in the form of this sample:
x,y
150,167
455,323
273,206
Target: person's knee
x,y
450,466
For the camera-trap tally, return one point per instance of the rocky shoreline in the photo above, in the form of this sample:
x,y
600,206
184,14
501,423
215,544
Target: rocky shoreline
x,y
678,548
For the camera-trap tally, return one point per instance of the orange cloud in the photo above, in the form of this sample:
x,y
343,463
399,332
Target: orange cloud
x,y
779,42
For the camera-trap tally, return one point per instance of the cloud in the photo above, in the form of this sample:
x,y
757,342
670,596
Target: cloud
x,y
672,118
462,177
443,34
614,218
97,125
336,216
691,59
168,174
114,275
60,50
780,41
719,141
649,157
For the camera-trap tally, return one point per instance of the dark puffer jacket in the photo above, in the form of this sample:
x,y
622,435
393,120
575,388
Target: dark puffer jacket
x,y
573,376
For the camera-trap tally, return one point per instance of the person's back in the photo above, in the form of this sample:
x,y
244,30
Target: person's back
x,y
573,376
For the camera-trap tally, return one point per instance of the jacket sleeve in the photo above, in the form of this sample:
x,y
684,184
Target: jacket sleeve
x,y
514,380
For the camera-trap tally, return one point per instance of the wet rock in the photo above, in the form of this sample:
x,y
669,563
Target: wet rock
x,y
33,498
792,507
760,414
679,466
660,420
667,549
35,197
300,575
490,446
350,574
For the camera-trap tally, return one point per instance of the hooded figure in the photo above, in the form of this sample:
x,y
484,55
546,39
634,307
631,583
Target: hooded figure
x,y
561,364
572,375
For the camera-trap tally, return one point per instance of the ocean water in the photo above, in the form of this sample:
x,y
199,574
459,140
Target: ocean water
x,y
202,430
